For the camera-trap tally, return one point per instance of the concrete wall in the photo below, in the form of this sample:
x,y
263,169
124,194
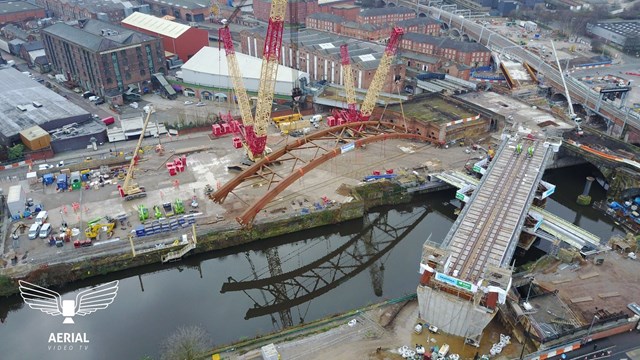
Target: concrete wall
x,y
450,313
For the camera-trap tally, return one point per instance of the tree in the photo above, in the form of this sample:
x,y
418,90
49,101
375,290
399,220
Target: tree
x,y
15,152
186,343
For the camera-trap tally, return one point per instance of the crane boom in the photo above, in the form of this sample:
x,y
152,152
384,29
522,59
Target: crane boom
x,y
348,79
257,134
572,114
383,69
224,35
130,190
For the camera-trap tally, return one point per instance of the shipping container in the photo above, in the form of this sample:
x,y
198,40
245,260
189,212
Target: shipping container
x,y
15,200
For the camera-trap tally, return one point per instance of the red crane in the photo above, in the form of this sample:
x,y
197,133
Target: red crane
x,y
376,84
254,130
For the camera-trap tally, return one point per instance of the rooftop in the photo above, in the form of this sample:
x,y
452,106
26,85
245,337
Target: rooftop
x,y
96,35
433,109
73,130
185,4
17,89
445,42
213,60
629,28
386,11
157,25
8,7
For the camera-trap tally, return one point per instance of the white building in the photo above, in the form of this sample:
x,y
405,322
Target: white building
x,y
208,67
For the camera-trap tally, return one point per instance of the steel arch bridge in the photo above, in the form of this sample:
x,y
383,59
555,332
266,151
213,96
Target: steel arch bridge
x,y
304,155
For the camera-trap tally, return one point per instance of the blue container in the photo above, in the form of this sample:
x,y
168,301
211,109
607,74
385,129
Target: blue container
x,y
62,182
47,179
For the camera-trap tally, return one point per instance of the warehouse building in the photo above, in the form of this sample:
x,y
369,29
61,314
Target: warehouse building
x,y
624,35
208,68
19,11
178,39
25,103
317,53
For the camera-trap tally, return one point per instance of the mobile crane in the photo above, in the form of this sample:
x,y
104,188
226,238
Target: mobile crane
x,y
574,117
129,190
254,130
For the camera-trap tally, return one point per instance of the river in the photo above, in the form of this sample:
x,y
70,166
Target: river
x,y
321,272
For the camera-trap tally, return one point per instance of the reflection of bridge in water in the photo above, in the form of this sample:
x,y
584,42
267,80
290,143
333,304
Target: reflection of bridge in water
x,y
282,291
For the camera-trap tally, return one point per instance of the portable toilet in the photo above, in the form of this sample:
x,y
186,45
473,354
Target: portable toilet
x,y
62,182
47,179
76,181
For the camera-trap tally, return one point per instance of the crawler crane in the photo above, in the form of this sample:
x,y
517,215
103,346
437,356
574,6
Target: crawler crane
x,y
375,87
254,129
572,114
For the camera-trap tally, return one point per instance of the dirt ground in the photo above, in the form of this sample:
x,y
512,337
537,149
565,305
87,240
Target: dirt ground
x,y
610,286
363,340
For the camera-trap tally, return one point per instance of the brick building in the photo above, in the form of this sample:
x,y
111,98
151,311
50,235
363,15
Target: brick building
x,y
318,54
299,10
370,32
467,53
110,11
179,39
421,25
387,15
19,12
186,10
104,58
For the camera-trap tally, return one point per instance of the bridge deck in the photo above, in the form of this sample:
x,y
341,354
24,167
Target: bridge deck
x,y
489,226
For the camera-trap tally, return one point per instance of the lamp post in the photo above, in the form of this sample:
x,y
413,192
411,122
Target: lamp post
x,y
489,38
586,337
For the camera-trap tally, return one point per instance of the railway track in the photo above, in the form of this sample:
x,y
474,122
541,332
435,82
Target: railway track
x,y
485,233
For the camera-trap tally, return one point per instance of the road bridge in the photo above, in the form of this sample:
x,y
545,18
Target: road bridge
x,y
465,277
618,118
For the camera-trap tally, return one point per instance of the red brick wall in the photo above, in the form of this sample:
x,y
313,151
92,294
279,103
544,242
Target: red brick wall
x,y
21,16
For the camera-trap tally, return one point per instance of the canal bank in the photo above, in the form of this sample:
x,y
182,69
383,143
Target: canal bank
x,y
212,238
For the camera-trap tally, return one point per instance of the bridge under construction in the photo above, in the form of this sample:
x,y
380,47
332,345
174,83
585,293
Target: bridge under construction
x,y
469,274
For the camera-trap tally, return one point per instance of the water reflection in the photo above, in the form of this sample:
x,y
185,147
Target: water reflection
x,y
281,291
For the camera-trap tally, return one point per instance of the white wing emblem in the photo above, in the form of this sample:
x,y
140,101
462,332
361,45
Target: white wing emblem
x,y
86,302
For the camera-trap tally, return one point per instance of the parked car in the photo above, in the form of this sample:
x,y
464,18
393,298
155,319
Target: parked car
x,y
188,102
93,98
99,101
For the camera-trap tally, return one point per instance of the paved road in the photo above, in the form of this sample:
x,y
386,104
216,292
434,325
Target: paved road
x,y
611,348
579,91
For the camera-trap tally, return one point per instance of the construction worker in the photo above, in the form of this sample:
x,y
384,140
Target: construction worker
x,y
518,149
530,151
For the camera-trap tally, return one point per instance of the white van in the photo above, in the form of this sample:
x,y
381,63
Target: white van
x,y
45,231
42,217
33,231
316,118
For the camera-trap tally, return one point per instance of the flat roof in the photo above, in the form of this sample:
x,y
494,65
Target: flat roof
x,y
73,130
185,4
8,7
157,25
33,132
626,28
17,89
433,109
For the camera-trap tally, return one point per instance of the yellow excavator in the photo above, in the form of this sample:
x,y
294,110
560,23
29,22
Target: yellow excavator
x,y
94,230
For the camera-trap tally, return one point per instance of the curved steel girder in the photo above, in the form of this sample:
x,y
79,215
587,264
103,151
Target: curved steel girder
x,y
221,194
249,214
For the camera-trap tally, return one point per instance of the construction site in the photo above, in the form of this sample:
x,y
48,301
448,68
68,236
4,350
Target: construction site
x,y
258,176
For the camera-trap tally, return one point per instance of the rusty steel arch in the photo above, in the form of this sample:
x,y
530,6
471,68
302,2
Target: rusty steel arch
x,y
358,133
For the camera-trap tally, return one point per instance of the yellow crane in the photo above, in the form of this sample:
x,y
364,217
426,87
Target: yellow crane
x,y
130,190
254,130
